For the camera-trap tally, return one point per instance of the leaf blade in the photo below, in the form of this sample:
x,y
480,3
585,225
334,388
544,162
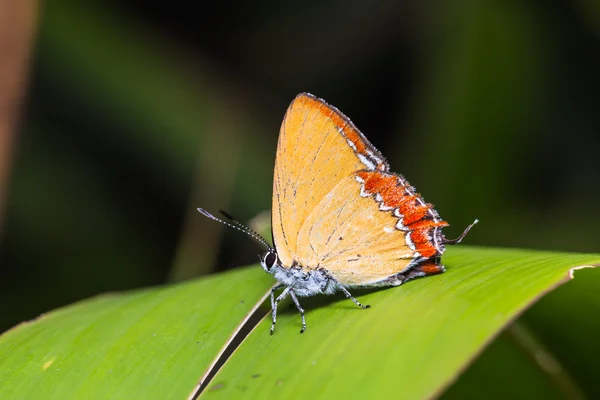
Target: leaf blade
x,y
153,343
416,339
158,342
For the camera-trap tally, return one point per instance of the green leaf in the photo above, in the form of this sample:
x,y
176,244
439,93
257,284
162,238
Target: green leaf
x,y
150,344
415,340
546,354
157,343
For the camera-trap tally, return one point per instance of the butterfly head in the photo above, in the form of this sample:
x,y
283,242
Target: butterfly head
x,y
269,260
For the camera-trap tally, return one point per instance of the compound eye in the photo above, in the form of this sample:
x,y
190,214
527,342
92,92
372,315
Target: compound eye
x,y
270,259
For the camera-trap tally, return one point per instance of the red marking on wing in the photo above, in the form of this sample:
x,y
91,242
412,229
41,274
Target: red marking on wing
x,y
426,249
411,210
420,236
427,223
376,182
339,120
416,213
350,131
431,268
423,242
395,196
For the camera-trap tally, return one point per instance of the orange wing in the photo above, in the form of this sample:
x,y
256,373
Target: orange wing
x,y
336,205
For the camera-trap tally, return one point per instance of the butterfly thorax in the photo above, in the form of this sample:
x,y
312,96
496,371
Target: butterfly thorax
x,y
304,281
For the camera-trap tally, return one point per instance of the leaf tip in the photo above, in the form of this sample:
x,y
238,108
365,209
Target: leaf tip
x,y
572,270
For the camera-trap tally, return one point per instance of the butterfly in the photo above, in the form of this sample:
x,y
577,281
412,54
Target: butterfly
x,y
340,218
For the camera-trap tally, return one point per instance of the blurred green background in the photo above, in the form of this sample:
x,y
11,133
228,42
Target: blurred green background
x,y
136,114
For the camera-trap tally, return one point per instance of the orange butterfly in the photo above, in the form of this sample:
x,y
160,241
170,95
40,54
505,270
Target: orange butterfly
x,y
340,218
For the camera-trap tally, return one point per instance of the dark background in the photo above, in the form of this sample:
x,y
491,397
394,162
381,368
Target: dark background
x,y
137,114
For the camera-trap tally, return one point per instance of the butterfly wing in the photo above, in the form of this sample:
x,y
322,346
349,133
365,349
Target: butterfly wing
x,y
336,205
308,165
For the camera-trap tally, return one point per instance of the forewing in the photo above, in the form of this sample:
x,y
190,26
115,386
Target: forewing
x,y
312,158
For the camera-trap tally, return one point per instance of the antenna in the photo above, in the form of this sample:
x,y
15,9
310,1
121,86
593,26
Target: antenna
x,y
462,235
237,225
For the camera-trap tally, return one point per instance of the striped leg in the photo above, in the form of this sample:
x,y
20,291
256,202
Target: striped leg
x,y
274,303
349,296
295,299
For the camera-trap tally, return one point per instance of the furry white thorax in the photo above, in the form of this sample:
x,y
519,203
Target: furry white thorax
x,y
303,283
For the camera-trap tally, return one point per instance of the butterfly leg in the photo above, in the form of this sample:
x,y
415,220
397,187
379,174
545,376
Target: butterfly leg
x,y
274,302
349,296
277,287
297,303
331,279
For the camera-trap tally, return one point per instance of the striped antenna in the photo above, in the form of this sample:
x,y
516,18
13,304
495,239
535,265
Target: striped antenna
x,y
237,225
